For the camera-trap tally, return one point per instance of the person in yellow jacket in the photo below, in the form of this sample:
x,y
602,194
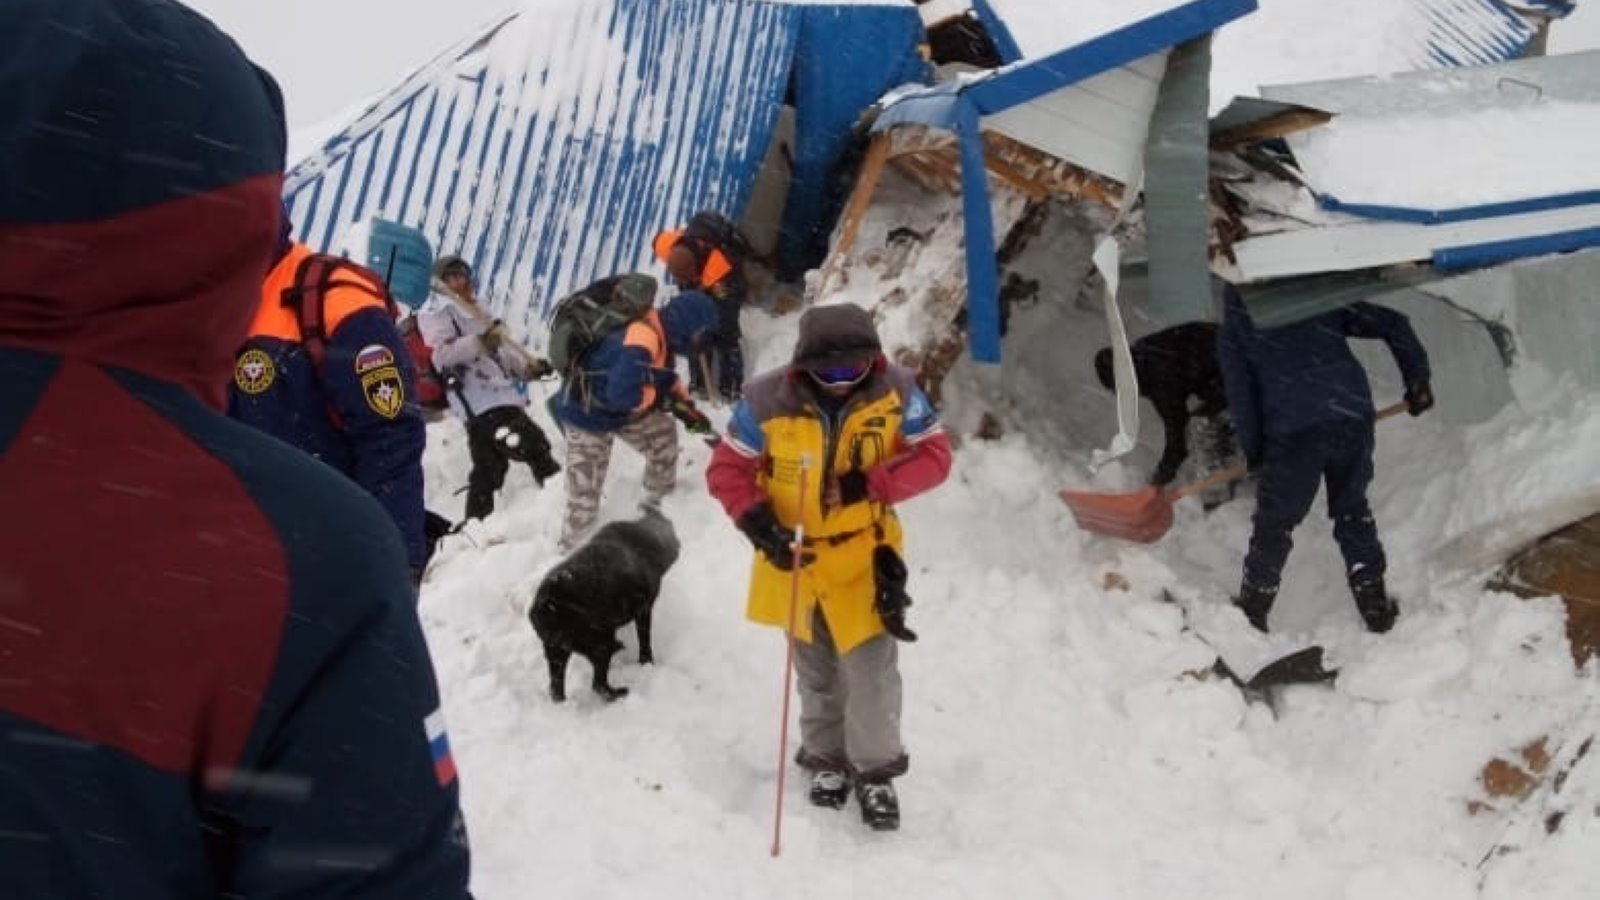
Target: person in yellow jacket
x,y
831,442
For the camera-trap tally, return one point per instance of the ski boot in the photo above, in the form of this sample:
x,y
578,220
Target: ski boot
x,y
880,806
1255,602
1378,610
830,788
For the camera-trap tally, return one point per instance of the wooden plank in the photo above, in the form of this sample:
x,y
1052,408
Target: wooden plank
x,y
1283,123
861,197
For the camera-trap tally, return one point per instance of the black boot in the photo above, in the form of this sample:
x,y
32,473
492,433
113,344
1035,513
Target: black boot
x,y
830,788
880,806
1377,609
1255,602
544,468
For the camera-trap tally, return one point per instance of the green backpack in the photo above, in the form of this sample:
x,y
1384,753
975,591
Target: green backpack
x,y
582,319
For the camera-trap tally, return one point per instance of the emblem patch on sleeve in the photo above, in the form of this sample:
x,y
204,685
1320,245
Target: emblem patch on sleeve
x,y
385,392
373,356
254,371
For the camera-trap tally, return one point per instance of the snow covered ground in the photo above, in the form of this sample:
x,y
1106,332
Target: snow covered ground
x,y
1061,742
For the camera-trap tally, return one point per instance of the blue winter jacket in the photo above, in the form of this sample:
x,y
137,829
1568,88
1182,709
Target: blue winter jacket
x,y
213,682
630,370
1284,380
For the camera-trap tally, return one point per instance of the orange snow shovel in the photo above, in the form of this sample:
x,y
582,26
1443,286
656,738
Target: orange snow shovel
x,y
1145,515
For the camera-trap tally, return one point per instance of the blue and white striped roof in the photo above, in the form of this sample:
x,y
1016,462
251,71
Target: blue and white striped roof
x,y
550,148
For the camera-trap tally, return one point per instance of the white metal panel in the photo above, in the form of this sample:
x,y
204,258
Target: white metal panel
x,y
1363,245
1099,124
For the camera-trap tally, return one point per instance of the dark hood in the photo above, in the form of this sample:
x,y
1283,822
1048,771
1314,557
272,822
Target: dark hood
x,y
837,335
141,166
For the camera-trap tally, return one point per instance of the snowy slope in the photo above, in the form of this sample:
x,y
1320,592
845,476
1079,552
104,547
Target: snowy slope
x,y
1061,744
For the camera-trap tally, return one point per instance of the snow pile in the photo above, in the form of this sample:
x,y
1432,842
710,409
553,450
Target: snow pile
x,y
1064,739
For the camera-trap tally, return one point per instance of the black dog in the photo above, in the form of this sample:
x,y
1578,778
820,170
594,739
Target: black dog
x,y
610,581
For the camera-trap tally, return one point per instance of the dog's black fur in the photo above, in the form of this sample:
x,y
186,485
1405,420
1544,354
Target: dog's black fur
x,y
611,580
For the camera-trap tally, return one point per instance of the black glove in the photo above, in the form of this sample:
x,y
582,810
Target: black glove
x,y
890,601
852,487
690,415
760,524
1419,398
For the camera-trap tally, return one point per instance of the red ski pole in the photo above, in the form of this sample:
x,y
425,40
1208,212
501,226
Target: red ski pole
x,y
798,548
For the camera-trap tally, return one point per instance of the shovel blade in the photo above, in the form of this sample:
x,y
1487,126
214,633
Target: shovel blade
x,y
1144,516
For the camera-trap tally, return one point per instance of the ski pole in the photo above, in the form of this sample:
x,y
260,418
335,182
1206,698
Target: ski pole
x,y
798,548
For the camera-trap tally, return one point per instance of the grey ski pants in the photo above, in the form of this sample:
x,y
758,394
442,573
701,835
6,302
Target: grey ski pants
x,y
850,704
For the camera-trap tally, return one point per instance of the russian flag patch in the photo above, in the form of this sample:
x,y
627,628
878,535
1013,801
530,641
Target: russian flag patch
x,y
444,764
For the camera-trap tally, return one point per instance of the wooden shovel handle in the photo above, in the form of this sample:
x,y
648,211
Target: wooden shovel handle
x,y
482,315
1234,473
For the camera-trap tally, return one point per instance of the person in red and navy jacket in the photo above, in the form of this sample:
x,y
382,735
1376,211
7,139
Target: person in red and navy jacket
x,y
213,682
347,399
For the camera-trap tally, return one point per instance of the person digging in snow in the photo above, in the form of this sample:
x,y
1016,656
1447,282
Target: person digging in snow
x,y
861,436
482,371
1303,412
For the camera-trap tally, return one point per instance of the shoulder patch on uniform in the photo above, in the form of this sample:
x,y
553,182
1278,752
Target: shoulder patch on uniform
x,y
373,356
254,371
384,390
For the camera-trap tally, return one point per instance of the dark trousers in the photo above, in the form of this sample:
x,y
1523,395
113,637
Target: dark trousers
x,y
725,359
493,455
1292,469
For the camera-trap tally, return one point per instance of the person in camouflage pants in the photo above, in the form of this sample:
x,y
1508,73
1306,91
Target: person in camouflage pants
x,y
654,435
626,386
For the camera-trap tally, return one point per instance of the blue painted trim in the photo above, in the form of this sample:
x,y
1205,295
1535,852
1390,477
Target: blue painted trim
x,y
455,171
394,156
1473,256
983,273
1460,213
503,201
303,226
438,158
336,210
1004,43
423,143
1033,79
366,178
485,214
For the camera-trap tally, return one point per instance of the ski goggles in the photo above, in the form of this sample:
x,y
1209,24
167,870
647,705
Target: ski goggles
x,y
842,376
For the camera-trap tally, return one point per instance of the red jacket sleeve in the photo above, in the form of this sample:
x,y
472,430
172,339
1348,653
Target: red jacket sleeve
x,y
731,478
924,466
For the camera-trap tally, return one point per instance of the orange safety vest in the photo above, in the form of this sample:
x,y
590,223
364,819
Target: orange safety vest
x,y
717,265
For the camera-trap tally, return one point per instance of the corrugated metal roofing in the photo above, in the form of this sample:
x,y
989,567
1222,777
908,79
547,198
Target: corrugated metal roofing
x,y
549,149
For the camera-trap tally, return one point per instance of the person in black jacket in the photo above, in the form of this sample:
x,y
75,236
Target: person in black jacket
x,y
1304,415
1177,372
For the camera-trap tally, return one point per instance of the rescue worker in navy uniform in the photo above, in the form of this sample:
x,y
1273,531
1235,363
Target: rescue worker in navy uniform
x,y
1303,411
353,409
482,371
699,261
213,681
1174,365
873,440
